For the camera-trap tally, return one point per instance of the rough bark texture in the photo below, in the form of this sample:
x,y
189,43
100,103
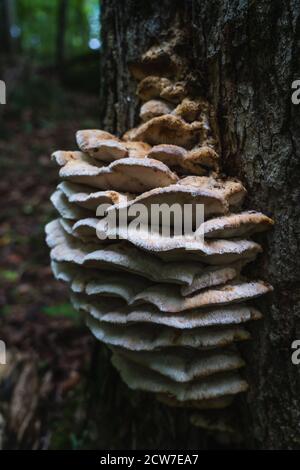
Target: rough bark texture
x,y
244,56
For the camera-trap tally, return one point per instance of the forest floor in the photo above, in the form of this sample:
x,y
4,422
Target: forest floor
x,y
48,347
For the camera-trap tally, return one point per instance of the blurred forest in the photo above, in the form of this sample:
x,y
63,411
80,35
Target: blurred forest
x,y
49,60
57,37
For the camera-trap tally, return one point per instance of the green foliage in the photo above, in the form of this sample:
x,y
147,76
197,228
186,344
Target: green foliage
x,y
10,276
38,19
37,23
6,310
64,310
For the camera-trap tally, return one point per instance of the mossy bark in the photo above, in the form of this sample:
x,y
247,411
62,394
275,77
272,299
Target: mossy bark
x,y
243,56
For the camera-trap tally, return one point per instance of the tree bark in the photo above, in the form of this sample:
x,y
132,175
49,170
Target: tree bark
x,y
243,55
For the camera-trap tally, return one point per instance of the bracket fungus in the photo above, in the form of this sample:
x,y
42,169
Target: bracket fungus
x,y
171,308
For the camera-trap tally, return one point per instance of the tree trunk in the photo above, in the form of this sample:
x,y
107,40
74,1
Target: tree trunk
x,y
7,17
61,34
243,56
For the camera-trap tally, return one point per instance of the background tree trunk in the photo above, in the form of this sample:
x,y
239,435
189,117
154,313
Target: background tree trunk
x,y
62,8
244,56
7,20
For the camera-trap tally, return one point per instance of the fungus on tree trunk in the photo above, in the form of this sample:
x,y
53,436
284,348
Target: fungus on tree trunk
x,y
171,308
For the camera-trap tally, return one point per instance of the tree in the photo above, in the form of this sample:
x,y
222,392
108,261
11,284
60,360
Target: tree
x,y
243,55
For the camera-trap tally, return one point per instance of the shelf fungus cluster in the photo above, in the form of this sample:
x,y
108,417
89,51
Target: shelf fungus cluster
x,y
171,308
